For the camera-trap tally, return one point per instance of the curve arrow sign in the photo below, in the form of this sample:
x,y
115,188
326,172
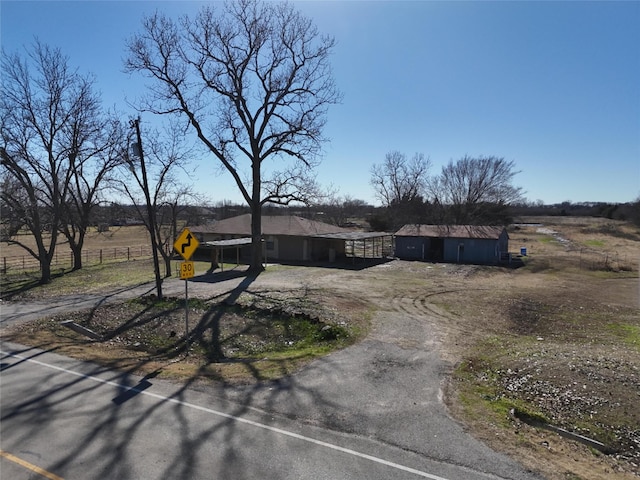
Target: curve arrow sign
x,y
186,244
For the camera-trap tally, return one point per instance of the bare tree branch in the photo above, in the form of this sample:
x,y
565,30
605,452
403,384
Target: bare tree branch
x,y
50,117
476,190
254,81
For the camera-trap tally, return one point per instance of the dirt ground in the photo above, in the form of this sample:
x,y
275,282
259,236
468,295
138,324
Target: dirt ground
x,y
556,340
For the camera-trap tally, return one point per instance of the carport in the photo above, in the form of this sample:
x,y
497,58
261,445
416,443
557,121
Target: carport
x,y
365,245
220,245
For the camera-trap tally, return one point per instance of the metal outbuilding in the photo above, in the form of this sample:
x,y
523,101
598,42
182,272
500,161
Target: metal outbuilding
x,y
475,244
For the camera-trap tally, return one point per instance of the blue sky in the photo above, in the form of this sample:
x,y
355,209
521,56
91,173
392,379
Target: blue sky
x,y
553,86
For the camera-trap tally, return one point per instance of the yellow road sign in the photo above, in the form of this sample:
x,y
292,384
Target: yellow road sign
x,y
186,244
187,269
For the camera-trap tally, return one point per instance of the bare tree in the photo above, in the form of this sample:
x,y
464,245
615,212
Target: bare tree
x,y
254,82
150,182
95,142
400,180
41,100
476,190
399,183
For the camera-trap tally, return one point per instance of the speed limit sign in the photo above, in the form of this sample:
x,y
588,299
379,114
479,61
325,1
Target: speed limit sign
x,y
187,270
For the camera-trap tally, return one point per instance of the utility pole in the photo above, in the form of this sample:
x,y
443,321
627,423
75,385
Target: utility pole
x,y
151,212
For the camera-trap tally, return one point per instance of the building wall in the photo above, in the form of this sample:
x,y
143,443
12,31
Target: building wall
x,y
290,248
411,248
503,242
325,249
279,247
471,250
304,249
454,250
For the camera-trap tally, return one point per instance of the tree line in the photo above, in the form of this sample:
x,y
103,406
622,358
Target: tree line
x,y
468,191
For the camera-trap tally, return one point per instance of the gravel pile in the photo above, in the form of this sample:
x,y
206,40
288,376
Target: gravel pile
x,y
583,392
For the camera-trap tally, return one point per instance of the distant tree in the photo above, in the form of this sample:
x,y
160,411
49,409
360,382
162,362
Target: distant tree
x,y
337,210
355,208
400,183
43,108
381,221
254,82
634,212
476,190
399,180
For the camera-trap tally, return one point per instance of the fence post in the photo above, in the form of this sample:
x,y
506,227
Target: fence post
x,y
128,254
100,256
4,264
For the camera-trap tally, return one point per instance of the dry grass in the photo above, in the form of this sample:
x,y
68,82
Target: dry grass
x,y
129,236
559,339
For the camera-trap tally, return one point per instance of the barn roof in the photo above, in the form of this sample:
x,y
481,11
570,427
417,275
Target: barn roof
x,y
271,225
450,231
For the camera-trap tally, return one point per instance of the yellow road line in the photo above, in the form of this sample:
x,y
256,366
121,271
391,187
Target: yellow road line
x,y
30,466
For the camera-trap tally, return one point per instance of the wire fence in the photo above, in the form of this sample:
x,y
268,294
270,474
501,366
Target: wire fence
x,y
27,263
585,259
606,261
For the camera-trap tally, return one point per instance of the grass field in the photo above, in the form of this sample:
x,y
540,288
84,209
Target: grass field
x,y
117,244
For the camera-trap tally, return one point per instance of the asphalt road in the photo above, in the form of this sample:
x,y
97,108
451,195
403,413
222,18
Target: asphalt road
x,y
371,411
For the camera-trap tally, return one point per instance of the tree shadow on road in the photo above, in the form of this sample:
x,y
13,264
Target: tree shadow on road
x,y
128,410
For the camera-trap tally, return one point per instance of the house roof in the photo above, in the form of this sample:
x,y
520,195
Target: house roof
x,y
232,242
450,231
271,225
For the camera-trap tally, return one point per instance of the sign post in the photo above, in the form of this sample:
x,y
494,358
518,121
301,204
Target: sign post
x,y
185,245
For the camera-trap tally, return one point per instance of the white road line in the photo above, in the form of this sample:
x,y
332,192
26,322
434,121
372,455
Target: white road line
x,y
280,431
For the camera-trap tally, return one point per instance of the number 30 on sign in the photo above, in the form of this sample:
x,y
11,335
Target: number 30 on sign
x,y
186,270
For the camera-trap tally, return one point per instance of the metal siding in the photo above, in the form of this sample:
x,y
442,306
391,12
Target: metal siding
x,y
410,248
450,254
503,241
484,251
478,251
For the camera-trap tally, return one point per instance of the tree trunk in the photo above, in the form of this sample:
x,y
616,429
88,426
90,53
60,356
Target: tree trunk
x,y
45,268
256,238
76,249
43,257
167,265
256,218
77,258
